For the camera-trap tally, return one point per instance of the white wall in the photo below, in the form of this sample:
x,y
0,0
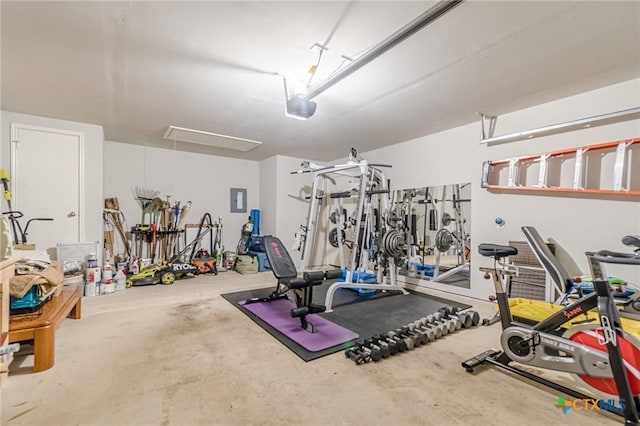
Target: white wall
x,y
292,206
575,223
268,196
93,146
282,199
202,179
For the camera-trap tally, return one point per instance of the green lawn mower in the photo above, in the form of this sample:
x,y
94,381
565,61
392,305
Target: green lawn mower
x,y
162,274
167,273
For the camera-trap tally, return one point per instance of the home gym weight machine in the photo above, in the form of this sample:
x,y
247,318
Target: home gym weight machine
x,y
566,342
442,209
378,241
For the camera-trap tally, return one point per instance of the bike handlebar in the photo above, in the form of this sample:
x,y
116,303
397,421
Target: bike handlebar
x,y
607,256
14,214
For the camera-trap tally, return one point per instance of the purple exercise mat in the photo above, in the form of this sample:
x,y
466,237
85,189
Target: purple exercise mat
x,y
278,315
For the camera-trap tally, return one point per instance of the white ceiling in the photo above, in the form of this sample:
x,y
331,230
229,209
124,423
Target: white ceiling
x,y
138,67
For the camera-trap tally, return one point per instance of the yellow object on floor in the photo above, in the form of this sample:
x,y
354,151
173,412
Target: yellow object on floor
x,y
536,310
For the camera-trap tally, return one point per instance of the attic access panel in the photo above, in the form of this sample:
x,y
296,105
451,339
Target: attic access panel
x,y
210,139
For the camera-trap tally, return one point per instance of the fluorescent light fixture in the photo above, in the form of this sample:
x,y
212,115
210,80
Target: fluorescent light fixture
x,y
210,139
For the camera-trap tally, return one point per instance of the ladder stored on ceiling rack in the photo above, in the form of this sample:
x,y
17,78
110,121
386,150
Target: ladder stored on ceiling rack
x,y
552,171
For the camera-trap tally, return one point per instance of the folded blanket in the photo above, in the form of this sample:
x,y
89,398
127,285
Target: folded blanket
x,y
48,278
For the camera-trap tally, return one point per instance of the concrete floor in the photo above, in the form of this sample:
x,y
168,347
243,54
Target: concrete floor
x,y
182,355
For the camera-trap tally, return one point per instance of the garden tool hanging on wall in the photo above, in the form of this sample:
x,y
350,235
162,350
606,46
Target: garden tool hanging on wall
x,y
153,210
113,215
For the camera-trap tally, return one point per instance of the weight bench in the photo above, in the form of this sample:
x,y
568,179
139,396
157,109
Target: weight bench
x,y
287,279
41,327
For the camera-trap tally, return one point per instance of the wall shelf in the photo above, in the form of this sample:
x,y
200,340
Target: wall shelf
x,y
607,168
583,123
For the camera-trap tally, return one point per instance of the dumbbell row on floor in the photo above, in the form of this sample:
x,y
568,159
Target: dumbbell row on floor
x,y
358,356
446,320
372,349
419,332
380,346
448,325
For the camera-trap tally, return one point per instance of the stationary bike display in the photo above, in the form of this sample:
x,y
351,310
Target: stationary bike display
x,y
602,355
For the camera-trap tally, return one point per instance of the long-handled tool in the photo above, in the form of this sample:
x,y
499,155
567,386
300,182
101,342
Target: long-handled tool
x,y
218,247
4,176
112,210
154,230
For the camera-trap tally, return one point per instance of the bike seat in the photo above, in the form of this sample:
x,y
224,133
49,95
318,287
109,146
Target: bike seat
x,y
497,251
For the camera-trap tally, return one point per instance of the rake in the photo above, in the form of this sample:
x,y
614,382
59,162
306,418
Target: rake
x,y
144,196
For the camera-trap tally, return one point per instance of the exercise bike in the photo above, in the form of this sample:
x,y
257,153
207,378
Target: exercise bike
x,y
601,355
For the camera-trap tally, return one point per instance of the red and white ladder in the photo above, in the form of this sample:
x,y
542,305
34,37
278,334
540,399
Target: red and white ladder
x,y
515,173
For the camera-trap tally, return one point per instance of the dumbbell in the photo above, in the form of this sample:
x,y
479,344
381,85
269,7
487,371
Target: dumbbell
x,y
420,336
357,356
385,352
475,318
436,318
448,314
429,321
452,323
469,319
404,331
373,351
438,329
426,326
415,339
394,345
428,332
388,348
445,315
408,343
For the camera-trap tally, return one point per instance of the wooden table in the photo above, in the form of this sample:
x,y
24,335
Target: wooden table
x,y
7,270
41,327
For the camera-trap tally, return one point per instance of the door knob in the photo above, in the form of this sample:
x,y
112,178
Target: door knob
x,y
71,214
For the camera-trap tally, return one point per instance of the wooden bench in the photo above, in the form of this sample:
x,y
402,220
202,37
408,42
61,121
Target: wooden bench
x,y
41,327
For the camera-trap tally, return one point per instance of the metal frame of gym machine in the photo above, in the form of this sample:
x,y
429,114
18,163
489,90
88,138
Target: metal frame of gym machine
x,y
444,238
369,175
457,239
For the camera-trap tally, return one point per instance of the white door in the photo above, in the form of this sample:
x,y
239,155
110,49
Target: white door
x,y
46,182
